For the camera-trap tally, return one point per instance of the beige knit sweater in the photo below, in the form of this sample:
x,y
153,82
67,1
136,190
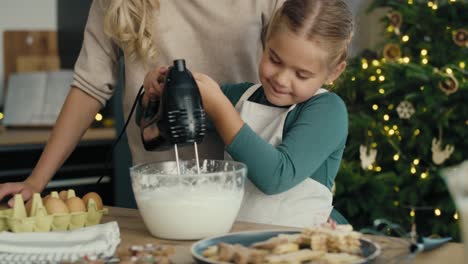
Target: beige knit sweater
x,y
218,37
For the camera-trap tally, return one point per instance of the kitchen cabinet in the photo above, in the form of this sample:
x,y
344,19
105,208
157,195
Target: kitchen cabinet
x,y
20,149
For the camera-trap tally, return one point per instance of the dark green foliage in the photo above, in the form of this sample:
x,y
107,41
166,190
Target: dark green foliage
x,y
389,189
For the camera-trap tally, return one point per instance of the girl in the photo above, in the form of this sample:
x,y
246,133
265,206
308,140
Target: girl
x,y
289,131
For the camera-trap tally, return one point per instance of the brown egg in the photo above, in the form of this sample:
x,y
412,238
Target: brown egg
x,y
75,204
56,206
63,195
97,199
45,199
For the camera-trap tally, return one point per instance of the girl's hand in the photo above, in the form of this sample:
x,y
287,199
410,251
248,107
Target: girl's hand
x,y
332,223
153,84
210,92
218,107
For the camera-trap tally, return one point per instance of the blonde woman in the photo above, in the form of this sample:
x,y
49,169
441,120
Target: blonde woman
x,y
221,38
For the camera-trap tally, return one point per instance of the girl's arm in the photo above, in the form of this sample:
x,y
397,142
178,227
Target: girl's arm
x,y
312,146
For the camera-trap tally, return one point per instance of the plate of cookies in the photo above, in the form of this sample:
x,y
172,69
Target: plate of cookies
x,y
319,244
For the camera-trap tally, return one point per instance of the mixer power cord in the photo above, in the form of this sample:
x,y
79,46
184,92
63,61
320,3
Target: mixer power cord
x,y
122,131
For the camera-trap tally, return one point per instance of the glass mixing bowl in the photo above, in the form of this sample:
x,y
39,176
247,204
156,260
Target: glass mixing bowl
x,y
189,205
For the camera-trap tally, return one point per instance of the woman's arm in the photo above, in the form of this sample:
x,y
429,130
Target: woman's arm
x,y
76,116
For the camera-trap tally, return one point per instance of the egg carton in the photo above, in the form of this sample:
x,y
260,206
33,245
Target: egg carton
x,y
15,219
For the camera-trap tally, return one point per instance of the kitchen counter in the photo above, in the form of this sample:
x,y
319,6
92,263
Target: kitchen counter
x,y
15,136
134,232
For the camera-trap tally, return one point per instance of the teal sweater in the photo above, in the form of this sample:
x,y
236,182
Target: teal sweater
x,y
314,137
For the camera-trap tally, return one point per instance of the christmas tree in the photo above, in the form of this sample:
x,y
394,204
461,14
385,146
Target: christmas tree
x,y
408,112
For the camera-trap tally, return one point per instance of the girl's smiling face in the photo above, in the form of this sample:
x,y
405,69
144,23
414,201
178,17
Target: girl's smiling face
x,y
293,68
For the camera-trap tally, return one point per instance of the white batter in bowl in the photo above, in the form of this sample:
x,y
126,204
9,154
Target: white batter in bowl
x,y
189,205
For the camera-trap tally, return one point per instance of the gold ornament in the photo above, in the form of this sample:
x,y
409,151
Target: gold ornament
x,y
392,52
460,37
449,84
395,19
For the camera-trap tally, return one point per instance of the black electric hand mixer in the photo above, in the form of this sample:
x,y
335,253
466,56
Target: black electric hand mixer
x,y
178,117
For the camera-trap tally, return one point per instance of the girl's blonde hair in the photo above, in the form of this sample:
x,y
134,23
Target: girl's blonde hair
x,y
130,24
329,22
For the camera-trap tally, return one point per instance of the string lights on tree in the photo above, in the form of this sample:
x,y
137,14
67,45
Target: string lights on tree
x,y
401,96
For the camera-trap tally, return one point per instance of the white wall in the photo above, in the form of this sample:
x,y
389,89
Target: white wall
x,y
25,15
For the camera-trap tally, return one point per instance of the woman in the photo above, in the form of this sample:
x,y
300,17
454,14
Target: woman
x,y
221,38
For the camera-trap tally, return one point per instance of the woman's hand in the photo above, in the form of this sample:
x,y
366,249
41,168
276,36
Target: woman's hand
x,y
11,188
153,84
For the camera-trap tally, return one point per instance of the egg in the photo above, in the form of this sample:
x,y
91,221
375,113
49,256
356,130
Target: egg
x,y
75,204
97,199
56,206
63,195
45,199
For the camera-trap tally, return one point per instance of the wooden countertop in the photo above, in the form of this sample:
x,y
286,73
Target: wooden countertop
x,y
41,135
134,232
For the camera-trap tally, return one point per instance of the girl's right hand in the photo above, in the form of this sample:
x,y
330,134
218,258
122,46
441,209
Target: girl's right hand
x,y
11,188
153,84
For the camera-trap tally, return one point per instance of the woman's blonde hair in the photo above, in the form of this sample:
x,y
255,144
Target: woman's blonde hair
x,y
329,22
130,24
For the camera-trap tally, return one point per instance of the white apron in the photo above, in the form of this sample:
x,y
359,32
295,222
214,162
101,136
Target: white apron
x,y
309,203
